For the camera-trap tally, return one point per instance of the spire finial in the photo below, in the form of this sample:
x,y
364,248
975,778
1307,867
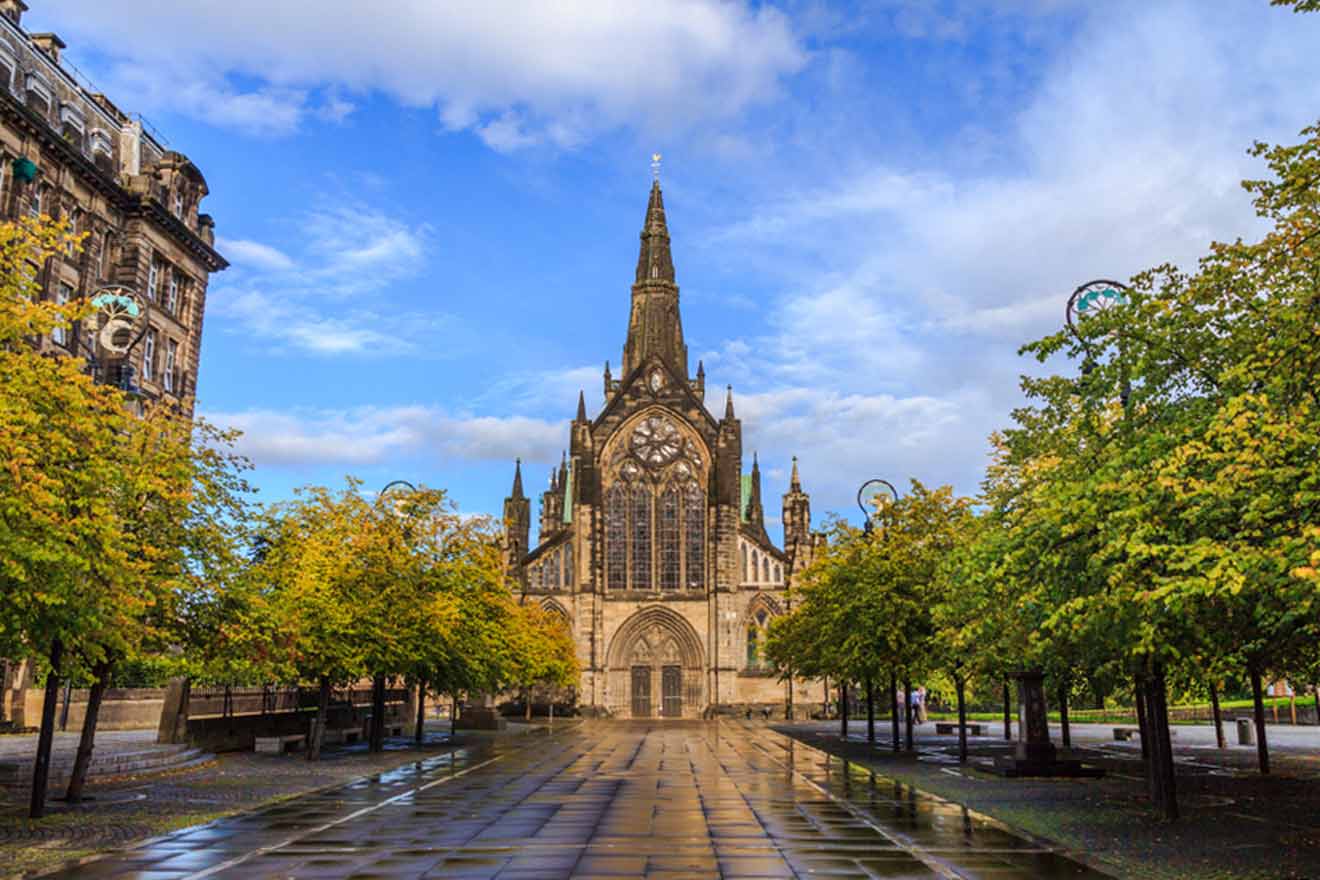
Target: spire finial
x,y
517,478
793,482
728,404
655,167
582,406
701,369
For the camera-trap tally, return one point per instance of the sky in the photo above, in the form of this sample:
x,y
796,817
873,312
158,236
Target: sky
x,y
432,209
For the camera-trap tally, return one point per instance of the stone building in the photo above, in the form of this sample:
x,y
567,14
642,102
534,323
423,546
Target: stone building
x,y
70,153
651,541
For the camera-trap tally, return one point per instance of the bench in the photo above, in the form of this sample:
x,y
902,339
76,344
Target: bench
x,y
1123,734
278,745
948,727
340,735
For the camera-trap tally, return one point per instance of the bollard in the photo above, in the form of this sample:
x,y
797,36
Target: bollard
x,y
1246,732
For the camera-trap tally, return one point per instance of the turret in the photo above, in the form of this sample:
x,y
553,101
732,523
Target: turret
x,y
517,524
798,542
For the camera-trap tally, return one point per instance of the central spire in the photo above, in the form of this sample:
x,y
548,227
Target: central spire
x,y
654,326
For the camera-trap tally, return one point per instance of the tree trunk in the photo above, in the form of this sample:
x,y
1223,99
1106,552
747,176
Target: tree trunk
x,y
843,711
893,706
378,714
453,714
1315,690
78,778
1262,749
1162,744
1219,721
529,705
907,714
1143,725
960,684
41,769
1065,731
318,726
1008,713
420,732
870,711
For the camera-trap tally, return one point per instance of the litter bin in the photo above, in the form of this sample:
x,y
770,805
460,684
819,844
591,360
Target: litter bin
x,y
1246,732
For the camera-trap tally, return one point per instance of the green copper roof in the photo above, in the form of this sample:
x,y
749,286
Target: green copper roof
x,y
746,500
568,495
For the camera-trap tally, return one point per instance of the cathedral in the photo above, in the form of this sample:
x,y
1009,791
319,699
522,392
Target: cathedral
x,y
651,541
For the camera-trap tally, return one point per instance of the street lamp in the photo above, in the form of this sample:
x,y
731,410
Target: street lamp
x,y
869,495
401,489
1090,299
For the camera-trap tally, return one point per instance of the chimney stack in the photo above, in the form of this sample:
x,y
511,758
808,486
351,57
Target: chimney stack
x,y
51,44
13,10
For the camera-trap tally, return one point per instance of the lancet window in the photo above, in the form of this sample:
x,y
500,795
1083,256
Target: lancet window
x,y
655,511
616,538
641,538
694,528
671,559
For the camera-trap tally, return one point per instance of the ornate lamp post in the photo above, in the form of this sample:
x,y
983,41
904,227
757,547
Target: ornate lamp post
x,y
400,489
869,497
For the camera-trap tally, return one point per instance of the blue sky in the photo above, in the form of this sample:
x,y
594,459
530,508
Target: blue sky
x,y
432,209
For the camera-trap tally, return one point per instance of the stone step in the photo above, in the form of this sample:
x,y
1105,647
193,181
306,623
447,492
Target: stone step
x,y
107,764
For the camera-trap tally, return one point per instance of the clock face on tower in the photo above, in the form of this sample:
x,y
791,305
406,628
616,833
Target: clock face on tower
x,y
656,441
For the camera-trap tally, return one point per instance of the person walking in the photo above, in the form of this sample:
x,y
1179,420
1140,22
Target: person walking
x,y
919,699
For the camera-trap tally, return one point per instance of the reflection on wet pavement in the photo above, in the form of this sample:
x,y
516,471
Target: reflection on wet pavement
x,y
607,799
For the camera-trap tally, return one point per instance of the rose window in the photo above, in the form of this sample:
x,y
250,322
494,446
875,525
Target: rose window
x,y
656,441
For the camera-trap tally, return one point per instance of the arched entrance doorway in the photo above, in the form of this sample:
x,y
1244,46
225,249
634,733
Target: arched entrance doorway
x,y
655,667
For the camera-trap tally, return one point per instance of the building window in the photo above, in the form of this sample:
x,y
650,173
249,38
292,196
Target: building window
x,y
755,637
568,563
172,293
694,527
616,538
744,563
178,203
671,557
155,277
8,64
72,126
103,258
765,568
60,334
35,203
39,94
171,359
103,155
641,538
75,223
149,356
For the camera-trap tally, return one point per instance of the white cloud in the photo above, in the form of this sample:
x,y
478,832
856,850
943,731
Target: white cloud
x,y
906,285
517,73
349,253
254,254
370,435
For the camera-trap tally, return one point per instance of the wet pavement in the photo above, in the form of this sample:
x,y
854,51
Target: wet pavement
x,y
607,799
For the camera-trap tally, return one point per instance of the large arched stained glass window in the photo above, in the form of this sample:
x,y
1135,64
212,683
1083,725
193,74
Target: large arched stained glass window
x,y
694,528
671,555
641,538
616,538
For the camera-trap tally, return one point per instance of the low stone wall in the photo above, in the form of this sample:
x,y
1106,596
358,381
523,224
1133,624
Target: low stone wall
x,y
121,708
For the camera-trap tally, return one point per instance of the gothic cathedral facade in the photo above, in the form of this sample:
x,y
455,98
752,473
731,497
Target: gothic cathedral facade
x,y
652,542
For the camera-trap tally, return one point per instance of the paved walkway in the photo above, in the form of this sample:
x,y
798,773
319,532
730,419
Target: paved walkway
x,y
607,799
